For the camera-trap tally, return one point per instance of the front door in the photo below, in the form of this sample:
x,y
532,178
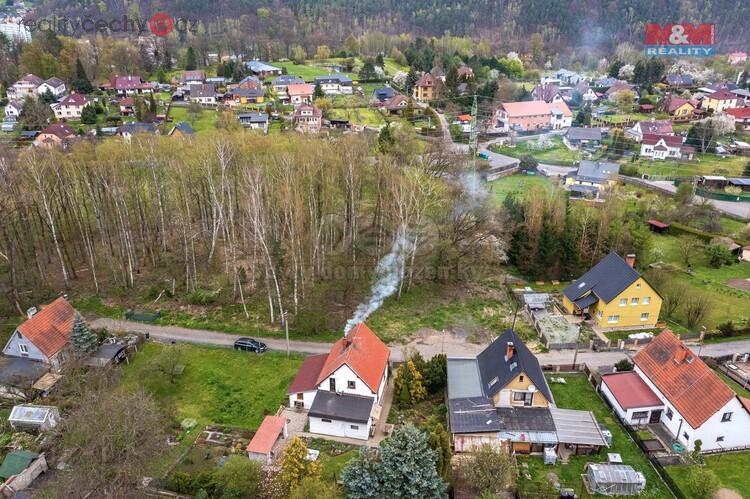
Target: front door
x,y
655,416
332,384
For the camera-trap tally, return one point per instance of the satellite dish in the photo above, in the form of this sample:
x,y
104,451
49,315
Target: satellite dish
x,y
532,388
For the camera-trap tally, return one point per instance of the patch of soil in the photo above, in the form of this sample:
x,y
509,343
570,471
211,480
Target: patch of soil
x,y
741,284
726,494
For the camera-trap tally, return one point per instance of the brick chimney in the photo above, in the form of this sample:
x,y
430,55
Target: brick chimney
x,y
509,350
630,259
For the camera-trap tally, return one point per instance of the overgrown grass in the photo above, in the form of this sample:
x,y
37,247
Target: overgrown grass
x,y
358,116
558,151
732,470
218,385
517,184
577,393
205,121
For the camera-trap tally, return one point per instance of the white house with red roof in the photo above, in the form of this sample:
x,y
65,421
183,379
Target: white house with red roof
x,y
694,403
741,116
261,446
70,107
45,336
129,85
345,397
653,126
665,147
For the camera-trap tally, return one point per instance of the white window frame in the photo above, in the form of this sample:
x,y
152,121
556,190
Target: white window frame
x,y
23,348
644,316
599,314
613,319
646,300
634,300
623,302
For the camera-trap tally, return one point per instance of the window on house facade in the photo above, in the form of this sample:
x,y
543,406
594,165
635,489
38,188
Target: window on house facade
x,y
325,420
684,434
351,385
669,414
726,417
520,378
644,316
640,415
638,285
634,301
18,335
599,314
646,300
720,439
623,302
613,318
354,427
23,348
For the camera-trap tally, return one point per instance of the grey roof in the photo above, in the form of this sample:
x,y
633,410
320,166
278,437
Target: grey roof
x,y
108,351
253,117
16,371
340,79
383,93
184,128
679,79
343,407
525,418
578,133
258,66
202,90
536,300
473,415
739,181
137,127
577,427
594,171
287,80
247,92
606,279
584,189
493,364
586,301
463,379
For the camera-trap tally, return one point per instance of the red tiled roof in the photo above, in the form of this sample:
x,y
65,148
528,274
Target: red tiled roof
x,y
49,329
526,108
722,94
60,130
675,103
739,112
658,127
74,99
424,81
630,391
300,89
560,106
127,102
651,139
683,378
657,223
269,431
307,376
745,403
132,82
463,117
363,352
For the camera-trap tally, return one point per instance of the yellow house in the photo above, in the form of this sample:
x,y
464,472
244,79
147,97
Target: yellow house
x,y
614,295
719,101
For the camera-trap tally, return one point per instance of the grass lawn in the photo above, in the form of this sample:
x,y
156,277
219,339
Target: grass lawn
x,y
732,470
704,164
577,393
736,387
206,119
218,385
308,71
358,116
520,184
558,151
728,303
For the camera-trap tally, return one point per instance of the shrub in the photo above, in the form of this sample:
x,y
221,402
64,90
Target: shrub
x,y
629,170
624,365
181,482
719,255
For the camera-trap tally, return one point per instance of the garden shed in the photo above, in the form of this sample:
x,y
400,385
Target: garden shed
x,y
614,480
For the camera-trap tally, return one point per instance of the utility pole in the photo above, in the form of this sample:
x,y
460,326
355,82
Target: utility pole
x,y
473,134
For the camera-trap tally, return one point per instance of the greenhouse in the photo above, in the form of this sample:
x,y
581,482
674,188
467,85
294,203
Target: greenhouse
x,y
615,480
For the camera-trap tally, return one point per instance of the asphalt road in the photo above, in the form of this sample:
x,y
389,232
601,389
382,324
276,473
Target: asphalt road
x,y
556,357
732,208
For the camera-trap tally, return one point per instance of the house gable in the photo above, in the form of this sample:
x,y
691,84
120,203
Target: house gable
x,y
18,343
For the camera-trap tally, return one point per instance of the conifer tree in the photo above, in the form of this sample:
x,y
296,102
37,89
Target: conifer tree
x,y
83,340
81,84
190,63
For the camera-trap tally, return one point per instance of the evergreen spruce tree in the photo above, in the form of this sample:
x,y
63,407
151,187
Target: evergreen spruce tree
x,y
318,92
191,62
81,84
81,337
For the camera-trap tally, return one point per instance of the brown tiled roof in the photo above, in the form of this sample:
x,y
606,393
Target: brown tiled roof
x,y
425,81
74,99
61,130
363,352
683,378
651,139
526,108
307,376
49,329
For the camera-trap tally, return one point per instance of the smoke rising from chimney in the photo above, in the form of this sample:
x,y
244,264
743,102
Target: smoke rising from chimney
x,y
388,276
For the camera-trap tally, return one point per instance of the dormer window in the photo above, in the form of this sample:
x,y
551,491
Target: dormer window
x,y
513,365
18,335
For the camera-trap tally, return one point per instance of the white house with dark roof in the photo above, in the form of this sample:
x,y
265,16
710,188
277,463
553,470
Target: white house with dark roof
x,y
54,85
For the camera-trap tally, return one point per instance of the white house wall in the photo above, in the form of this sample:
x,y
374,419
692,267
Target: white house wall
x,y
626,415
307,399
735,432
339,428
343,375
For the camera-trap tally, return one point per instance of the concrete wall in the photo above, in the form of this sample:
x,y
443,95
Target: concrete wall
x,y
307,399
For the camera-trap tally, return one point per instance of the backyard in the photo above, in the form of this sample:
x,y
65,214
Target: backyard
x,y
517,184
577,393
204,121
549,149
731,469
358,116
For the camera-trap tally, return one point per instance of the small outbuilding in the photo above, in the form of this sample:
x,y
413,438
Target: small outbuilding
x,y
614,480
261,446
577,432
34,417
657,226
107,354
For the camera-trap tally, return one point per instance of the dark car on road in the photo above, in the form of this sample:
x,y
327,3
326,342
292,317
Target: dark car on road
x,y
250,345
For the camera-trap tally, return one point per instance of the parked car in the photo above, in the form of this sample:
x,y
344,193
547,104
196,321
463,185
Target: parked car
x,y
250,345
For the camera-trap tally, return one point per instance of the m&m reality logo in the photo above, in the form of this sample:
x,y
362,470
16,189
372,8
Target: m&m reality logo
x,y
680,40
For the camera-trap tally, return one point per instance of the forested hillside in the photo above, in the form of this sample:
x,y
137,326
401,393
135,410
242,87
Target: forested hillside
x,y
573,24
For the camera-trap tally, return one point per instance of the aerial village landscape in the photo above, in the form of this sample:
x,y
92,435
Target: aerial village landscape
x,y
364,250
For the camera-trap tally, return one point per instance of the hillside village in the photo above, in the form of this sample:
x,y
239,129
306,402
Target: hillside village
x,y
271,266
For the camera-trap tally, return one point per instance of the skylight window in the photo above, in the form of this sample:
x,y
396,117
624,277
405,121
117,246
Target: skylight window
x,y
581,285
493,381
513,365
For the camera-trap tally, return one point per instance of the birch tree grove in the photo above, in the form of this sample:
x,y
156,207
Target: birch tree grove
x,y
254,218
